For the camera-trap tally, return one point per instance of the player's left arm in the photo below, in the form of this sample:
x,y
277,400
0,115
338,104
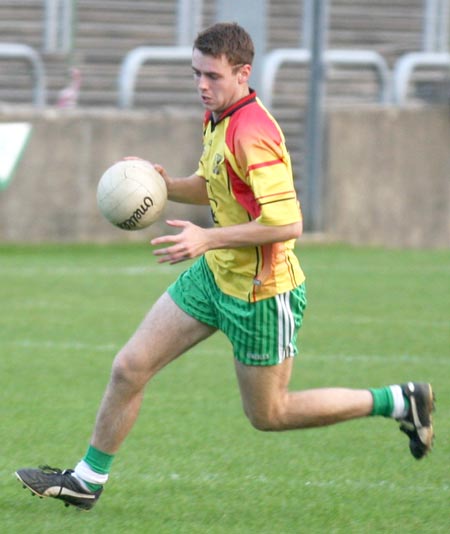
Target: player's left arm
x,y
188,190
193,241
270,179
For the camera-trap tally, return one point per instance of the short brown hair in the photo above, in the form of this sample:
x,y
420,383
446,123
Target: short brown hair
x,y
229,39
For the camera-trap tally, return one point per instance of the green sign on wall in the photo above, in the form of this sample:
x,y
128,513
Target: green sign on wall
x,y
13,140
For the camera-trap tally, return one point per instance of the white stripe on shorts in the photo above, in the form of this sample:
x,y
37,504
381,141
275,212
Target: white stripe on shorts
x,y
286,326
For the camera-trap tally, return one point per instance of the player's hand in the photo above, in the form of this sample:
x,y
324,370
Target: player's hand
x,y
162,171
189,243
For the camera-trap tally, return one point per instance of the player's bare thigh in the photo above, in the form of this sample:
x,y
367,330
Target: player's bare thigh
x,y
264,391
165,333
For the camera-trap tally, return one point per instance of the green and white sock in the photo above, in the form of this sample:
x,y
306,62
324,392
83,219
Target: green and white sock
x,y
93,469
389,401
401,403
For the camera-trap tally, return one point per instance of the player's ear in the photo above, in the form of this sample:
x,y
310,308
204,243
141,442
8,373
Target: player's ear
x,y
244,73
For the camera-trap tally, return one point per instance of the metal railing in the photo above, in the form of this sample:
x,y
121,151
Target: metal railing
x,y
364,58
405,67
273,61
136,58
25,52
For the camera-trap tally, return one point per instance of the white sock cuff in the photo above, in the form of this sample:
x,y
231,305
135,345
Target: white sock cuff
x,y
399,410
85,473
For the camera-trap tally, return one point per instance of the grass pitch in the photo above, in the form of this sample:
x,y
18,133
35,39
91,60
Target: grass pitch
x,y
193,464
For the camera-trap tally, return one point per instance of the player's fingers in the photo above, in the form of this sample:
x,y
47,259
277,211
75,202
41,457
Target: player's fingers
x,y
174,251
165,239
167,259
162,252
177,223
160,169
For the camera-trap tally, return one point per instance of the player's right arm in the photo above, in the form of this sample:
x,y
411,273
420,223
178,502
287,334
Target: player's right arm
x,y
189,190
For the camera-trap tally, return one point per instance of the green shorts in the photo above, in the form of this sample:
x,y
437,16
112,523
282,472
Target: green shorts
x,y
262,333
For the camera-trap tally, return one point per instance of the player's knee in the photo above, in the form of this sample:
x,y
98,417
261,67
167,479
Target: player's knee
x,y
121,372
126,372
266,420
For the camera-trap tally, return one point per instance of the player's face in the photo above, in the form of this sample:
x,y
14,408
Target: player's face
x,y
219,84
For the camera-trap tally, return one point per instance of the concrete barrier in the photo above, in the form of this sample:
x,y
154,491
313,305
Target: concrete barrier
x,y
387,178
52,196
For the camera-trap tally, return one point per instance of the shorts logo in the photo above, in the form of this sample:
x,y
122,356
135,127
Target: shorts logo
x,y
258,357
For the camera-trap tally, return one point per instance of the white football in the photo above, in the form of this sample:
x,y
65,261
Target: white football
x,y
131,194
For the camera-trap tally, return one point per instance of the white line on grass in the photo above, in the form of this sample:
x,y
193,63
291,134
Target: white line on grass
x,y
378,269
75,271
348,358
365,485
260,478
144,269
383,358
368,320
65,345
351,358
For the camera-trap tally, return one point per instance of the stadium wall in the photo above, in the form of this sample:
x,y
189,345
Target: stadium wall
x,y
386,178
52,196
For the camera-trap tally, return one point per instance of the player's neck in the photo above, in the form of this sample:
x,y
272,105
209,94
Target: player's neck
x,y
242,94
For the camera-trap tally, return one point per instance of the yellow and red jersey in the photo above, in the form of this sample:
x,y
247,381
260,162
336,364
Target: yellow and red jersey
x,y
248,175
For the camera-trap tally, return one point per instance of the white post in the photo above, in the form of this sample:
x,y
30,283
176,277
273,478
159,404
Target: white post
x,y
251,15
435,26
58,26
51,25
307,24
189,21
444,22
314,122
